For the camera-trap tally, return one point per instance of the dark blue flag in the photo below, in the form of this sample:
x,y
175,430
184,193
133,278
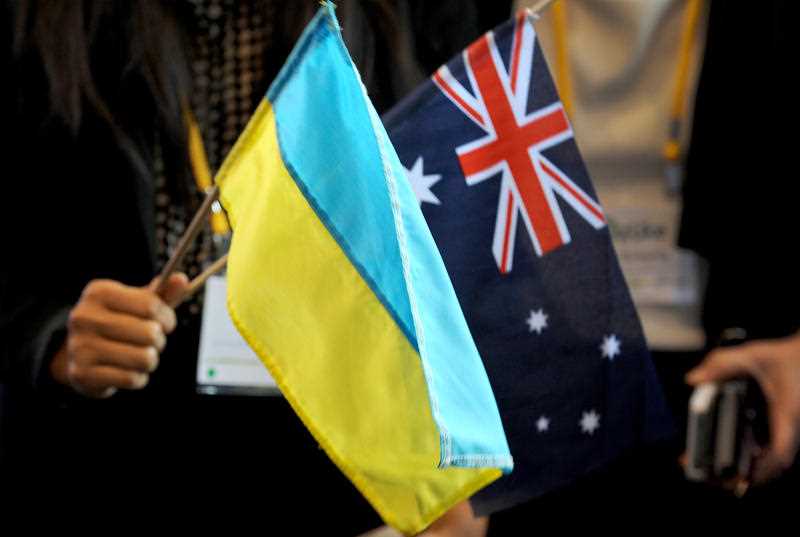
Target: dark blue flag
x,y
492,158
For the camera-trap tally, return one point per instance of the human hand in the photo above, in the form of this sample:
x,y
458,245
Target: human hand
x,y
775,365
115,336
459,521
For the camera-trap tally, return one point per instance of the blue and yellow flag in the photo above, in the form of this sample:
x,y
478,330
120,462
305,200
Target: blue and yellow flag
x,y
335,281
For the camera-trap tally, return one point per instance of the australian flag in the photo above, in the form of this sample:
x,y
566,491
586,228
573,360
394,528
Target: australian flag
x,y
492,159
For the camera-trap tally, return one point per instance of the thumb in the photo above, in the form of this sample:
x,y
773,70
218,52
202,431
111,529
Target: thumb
x,y
721,365
174,289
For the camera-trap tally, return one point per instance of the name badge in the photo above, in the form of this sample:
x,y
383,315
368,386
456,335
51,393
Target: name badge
x,y
643,220
226,364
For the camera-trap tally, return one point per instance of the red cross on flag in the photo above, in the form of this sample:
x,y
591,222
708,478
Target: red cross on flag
x,y
515,139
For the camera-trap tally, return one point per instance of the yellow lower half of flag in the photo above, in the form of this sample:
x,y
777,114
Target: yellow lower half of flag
x,y
339,358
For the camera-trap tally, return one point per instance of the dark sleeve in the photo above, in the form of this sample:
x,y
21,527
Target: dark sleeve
x,y
739,192
35,296
28,327
32,330
72,220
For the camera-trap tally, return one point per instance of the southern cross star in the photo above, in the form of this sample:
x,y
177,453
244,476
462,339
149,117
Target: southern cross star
x,y
422,183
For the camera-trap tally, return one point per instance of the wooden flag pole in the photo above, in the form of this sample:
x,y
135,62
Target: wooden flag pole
x,y
188,236
540,6
200,280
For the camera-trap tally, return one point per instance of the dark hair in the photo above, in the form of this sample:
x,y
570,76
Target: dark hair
x,y
126,63
119,61
378,34
128,42
141,42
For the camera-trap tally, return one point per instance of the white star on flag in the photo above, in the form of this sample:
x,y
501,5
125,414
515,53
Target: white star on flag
x,y
537,321
422,183
610,347
542,424
590,422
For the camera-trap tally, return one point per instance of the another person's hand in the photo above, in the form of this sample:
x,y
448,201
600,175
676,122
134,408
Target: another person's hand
x,y
115,336
775,365
459,521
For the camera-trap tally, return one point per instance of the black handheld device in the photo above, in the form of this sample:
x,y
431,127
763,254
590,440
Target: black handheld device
x,y
727,425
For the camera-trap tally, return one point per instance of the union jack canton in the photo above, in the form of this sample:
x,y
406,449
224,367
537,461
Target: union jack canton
x,y
513,144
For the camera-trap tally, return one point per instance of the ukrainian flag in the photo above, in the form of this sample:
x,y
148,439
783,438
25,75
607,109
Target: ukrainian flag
x,y
335,281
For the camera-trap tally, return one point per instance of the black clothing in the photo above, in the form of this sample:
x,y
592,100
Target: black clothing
x,y
740,172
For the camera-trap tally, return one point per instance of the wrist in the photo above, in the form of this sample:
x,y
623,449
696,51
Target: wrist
x,y
53,380
59,366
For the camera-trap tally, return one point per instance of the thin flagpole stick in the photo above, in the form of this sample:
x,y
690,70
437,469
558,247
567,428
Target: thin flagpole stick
x,y
538,7
188,236
198,282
